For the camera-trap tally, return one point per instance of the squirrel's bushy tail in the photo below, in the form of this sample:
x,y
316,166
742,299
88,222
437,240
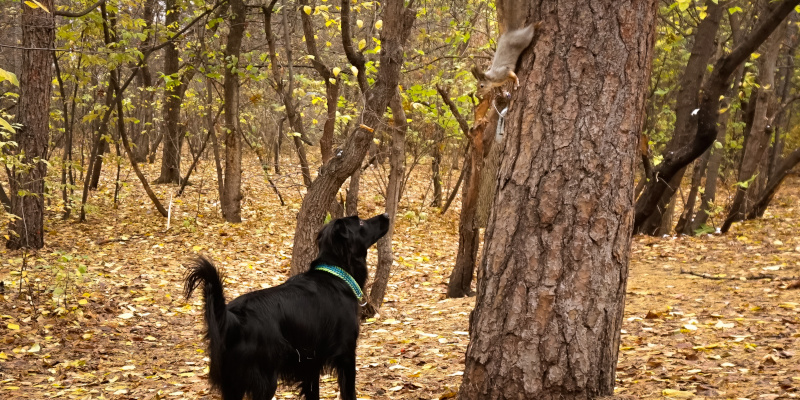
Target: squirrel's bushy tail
x,y
206,273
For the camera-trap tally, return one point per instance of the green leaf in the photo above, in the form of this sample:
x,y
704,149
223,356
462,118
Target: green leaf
x,y
8,76
5,125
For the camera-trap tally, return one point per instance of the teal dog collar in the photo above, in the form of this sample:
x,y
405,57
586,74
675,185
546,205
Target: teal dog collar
x,y
343,275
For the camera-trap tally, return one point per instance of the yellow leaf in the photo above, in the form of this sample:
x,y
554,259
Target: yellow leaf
x,y
680,394
82,302
35,348
361,44
353,69
307,10
379,24
336,71
360,23
13,327
128,367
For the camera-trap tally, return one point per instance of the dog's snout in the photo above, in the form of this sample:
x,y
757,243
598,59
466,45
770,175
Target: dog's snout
x,y
385,215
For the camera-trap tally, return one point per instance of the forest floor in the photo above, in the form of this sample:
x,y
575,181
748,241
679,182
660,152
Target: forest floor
x,y
101,313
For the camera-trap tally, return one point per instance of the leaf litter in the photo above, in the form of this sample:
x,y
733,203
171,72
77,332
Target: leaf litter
x,y
101,312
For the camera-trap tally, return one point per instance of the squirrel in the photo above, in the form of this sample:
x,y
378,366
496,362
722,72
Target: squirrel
x,y
510,45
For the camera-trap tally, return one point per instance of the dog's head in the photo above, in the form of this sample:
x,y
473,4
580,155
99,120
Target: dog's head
x,y
344,243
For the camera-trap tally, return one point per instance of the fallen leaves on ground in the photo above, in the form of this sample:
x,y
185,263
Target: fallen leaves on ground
x,y
101,312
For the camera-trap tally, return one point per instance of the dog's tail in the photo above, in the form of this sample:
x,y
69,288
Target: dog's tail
x,y
206,273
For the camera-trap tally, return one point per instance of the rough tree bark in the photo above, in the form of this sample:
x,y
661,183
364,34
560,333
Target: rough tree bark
x,y
33,111
398,20
686,102
707,114
232,192
760,132
173,139
551,286
396,171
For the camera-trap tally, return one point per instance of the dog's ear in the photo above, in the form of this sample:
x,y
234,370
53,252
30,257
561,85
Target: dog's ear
x,y
340,228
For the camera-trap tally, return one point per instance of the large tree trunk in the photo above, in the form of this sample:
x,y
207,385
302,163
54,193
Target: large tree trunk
x,y
396,171
707,114
686,102
173,139
760,132
232,193
551,286
397,24
33,111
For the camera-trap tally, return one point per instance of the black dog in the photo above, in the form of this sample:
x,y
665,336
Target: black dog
x,y
296,330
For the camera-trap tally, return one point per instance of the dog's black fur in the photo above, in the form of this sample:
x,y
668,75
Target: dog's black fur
x,y
295,330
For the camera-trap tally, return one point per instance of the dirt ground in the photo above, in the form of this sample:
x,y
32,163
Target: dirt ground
x,y
100,312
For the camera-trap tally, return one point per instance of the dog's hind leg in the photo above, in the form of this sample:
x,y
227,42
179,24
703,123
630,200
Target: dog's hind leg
x,y
309,387
346,371
232,391
264,386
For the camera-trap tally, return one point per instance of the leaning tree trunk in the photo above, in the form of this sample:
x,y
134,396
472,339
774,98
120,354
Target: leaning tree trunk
x,y
551,286
760,131
397,25
707,114
773,184
660,219
232,191
396,172
38,31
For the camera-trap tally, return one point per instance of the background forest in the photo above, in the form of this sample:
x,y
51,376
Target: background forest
x,y
235,128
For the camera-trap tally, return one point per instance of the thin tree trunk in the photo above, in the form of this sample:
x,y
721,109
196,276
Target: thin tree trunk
x,y
4,200
684,225
141,136
232,192
551,286
102,148
102,129
173,140
210,126
436,163
396,171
